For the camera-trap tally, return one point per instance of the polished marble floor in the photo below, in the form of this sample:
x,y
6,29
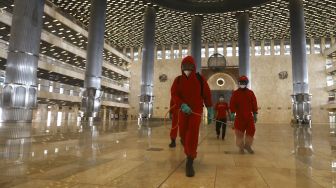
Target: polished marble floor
x,y
119,154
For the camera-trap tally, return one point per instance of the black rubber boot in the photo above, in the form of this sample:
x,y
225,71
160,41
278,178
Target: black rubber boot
x,y
172,144
190,172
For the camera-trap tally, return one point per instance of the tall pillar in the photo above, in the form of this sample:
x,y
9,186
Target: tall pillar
x,y
196,41
301,97
146,97
225,49
312,47
262,45
234,49
272,47
19,96
92,83
244,45
252,48
282,47
322,45
172,53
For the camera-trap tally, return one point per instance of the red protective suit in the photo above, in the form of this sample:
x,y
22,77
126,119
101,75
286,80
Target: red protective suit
x,y
221,109
174,114
188,90
243,102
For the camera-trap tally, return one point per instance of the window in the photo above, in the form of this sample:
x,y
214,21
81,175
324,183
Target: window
x,y
308,46
229,49
184,52
167,53
257,48
287,47
220,48
159,53
203,52
176,52
330,81
128,52
329,63
237,51
211,50
327,42
267,47
277,47
136,54
317,46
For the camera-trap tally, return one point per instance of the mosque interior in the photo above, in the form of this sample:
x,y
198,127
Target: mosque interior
x,y
86,87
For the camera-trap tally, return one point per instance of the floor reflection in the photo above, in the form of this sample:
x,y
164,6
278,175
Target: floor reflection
x,y
121,154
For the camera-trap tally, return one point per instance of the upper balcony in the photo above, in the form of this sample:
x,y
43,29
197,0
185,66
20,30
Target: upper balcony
x,y
54,66
61,42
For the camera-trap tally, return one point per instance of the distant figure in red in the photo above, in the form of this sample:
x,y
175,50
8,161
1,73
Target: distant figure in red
x,y
222,110
189,92
244,110
174,116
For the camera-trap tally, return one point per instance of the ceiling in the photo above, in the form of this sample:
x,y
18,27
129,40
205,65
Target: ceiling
x,y
57,28
66,56
124,25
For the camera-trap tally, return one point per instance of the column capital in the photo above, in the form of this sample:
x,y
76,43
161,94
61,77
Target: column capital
x,y
240,14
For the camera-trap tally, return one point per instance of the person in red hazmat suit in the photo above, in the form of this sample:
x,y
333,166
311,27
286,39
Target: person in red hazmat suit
x,y
190,91
174,116
244,110
222,110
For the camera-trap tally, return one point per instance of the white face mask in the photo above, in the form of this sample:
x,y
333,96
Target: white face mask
x,y
242,86
187,72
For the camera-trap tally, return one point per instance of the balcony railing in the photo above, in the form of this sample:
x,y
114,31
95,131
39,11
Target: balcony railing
x,y
64,89
53,61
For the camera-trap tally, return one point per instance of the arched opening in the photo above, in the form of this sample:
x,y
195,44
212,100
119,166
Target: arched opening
x,y
221,84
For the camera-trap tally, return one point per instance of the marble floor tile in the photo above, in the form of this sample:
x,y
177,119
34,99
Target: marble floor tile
x,y
278,177
122,155
241,177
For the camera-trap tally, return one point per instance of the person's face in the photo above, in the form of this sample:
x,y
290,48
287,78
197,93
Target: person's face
x,y
187,68
242,84
221,99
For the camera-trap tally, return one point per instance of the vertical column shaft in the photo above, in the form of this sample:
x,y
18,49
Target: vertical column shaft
x,y
298,44
20,88
301,97
196,41
94,60
146,97
244,45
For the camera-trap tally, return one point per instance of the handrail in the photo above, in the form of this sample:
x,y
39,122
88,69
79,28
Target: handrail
x,y
57,62
74,91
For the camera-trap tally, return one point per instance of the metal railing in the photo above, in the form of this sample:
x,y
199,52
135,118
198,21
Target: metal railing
x,y
64,89
77,91
55,62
